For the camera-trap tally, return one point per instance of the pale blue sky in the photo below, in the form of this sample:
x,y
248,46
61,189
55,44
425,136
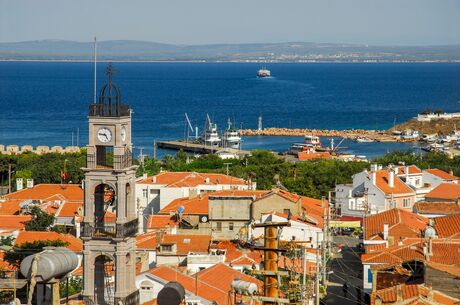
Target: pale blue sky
x,y
384,22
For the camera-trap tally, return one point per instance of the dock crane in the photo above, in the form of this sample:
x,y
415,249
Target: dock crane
x,y
189,128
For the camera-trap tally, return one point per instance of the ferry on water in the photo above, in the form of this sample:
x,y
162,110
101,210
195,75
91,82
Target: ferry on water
x,y
264,72
231,137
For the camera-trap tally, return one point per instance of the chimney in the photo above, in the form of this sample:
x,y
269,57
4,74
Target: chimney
x,y
192,193
144,176
154,179
374,167
430,247
451,172
373,177
385,231
399,293
391,178
406,170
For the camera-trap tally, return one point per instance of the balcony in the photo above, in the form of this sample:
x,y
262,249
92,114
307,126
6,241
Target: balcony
x,y
119,161
109,230
109,110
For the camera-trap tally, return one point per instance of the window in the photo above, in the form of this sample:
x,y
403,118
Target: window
x,y
287,211
230,226
144,193
218,226
406,203
167,248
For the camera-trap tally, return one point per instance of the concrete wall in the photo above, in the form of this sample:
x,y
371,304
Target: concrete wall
x,y
274,203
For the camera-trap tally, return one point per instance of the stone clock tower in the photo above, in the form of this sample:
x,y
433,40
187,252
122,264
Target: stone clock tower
x,y
110,221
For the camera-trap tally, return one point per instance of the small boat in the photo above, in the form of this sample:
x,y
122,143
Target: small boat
x,y
211,136
364,140
410,135
313,141
264,72
231,137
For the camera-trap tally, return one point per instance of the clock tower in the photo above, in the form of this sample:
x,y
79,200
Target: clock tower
x,y
110,223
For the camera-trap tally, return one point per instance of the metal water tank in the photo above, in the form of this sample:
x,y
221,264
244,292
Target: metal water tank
x,y
172,293
54,262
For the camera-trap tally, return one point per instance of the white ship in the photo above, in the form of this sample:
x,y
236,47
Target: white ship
x,y
312,141
231,137
264,72
364,140
211,135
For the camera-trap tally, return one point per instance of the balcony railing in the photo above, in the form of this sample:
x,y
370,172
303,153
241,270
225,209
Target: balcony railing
x,y
119,162
109,110
109,230
131,299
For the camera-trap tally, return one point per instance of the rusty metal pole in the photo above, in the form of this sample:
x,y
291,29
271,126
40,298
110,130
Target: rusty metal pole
x,y
271,263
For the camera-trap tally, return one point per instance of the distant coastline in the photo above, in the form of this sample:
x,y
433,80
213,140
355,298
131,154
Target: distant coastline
x,y
237,61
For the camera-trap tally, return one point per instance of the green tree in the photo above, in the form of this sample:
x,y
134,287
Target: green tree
x,y
41,221
18,253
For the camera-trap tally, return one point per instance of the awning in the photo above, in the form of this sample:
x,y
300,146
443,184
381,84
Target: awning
x,y
345,224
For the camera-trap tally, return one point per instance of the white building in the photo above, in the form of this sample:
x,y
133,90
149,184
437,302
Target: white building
x,y
156,192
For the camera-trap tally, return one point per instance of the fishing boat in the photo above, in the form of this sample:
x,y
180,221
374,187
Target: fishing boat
x,y
211,135
364,140
410,135
264,72
231,137
312,141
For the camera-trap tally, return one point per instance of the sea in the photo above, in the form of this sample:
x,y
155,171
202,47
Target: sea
x,y
46,103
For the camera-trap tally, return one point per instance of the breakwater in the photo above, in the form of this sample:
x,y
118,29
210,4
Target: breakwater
x,y
377,135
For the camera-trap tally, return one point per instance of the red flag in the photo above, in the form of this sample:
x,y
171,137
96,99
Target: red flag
x,y
64,175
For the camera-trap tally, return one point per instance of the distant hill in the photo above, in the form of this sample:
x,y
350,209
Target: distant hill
x,y
277,52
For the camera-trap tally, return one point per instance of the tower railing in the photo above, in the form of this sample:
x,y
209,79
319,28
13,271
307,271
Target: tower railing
x,y
109,230
119,161
109,110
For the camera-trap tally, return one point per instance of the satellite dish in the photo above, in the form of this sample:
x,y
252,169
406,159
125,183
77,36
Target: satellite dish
x,y
180,209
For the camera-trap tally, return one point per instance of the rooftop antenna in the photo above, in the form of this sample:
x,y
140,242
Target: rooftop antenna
x,y
95,73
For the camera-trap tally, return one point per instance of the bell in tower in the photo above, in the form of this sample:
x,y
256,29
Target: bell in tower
x,y
110,223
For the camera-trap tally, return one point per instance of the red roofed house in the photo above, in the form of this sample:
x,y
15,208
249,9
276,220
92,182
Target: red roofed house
x,y
49,192
444,192
154,193
10,223
382,189
204,288
173,249
74,244
436,176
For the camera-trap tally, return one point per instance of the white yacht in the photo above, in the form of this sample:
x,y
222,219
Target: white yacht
x,y
364,140
231,137
410,135
313,141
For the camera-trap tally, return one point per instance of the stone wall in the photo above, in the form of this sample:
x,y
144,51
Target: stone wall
x,y
16,149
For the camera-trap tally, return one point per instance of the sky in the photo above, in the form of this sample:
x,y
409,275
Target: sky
x,y
374,22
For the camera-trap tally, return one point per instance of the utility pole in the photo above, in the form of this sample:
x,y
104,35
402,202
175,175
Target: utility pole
x,y
154,149
227,164
317,297
304,279
9,178
141,155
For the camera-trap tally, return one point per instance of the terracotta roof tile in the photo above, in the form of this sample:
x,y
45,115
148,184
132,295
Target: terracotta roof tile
x,y
448,226
191,179
187,243
10,206
411,294
157,221
401,223
70,209
221,276
147,241
399,187
75,244
441,208
306,155
441,174
449,191
13,222
413,170
69,192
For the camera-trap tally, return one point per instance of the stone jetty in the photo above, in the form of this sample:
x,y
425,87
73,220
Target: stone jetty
x,y
16,149
377,135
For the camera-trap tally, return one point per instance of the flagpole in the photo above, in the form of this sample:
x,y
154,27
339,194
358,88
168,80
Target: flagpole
x,y
95,73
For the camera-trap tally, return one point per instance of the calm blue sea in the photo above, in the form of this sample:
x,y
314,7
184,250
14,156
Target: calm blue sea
x,y
43,103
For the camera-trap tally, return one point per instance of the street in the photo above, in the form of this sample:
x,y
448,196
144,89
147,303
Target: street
x,y
346,267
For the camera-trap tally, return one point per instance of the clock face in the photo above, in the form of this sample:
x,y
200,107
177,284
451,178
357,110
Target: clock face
x,y
123,134
104,135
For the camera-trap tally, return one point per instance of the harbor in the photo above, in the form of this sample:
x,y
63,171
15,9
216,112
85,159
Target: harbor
x,y
199,148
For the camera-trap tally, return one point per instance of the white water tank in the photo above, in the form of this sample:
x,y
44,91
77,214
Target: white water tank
x,y
54,262
243,287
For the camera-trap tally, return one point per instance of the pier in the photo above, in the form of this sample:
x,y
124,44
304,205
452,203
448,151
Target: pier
x,y
198,148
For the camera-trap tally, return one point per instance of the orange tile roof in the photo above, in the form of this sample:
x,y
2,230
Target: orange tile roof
x,y
13,222
147,241
187,243
399,187
69,192
448,226
401,223
411,294
221,276
212,284
444,252
191,179
70,209
237,256
442,208
441,174
200,204
75,244
450,191
10,206
306,155
400,170
157,221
